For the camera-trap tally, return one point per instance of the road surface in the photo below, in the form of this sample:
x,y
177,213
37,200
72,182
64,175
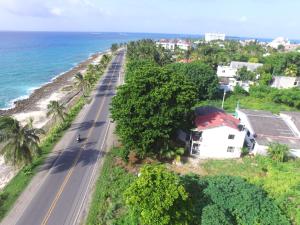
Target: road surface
x,y
59,198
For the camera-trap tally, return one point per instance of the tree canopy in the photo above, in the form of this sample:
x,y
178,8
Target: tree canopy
x,y
201,75
157,197
150,107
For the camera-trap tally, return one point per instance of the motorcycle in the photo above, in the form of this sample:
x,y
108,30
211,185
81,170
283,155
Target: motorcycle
x,y
78,139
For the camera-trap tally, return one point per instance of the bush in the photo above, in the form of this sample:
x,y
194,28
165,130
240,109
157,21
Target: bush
x,y
214,215
246,202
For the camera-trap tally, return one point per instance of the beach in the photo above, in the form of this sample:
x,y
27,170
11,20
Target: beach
x,y
35,106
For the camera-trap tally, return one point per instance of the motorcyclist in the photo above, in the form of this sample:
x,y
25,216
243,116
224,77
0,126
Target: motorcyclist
x,y
78,138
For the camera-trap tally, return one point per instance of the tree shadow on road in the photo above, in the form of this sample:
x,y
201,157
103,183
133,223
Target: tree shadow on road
x,y
86,125
65,161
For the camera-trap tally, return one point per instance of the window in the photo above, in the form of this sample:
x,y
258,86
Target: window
x,y
231,136
295,83
230,149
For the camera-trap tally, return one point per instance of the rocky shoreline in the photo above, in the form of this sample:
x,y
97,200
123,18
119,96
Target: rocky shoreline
x,y
29,104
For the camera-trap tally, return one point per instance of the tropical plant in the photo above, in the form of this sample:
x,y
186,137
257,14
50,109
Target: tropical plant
x,y
114,47
20,143
157,197
81,83
278,152
172,153
56,110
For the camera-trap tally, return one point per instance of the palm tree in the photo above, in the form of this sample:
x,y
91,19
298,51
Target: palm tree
x,y
81,83
20,143
56,110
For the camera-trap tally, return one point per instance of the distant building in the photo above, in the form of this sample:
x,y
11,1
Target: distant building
x,y
214,37
264,128
183,44
227,75
283,82
166,44
172,44
279,41
217,135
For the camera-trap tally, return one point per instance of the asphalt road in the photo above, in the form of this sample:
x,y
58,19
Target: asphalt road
x,y
66,184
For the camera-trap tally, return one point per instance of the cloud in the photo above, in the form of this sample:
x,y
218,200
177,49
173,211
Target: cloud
x,y
50,8
243,19
56,11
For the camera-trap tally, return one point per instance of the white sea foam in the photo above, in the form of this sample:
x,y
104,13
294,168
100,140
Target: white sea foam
x,y
11,103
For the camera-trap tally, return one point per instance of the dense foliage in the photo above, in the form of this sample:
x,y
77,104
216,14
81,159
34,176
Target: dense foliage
x,y
283,64
150,107
279,179
201,75
157,197
247,203
147,50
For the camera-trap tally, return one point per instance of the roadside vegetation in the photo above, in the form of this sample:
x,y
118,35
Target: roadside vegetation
x,y
32,158
158,99
233,193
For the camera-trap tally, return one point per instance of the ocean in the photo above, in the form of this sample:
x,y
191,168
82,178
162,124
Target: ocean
x,y
30,59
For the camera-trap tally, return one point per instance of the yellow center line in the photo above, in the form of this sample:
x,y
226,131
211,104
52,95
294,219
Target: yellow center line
x,y
61,189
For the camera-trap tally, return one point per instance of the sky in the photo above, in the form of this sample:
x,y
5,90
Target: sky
x,y
244,18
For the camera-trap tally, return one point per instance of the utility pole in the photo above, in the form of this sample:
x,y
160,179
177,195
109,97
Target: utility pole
x,y
223,98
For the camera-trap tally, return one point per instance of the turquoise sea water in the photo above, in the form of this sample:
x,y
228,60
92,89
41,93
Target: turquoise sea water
x,y
30,59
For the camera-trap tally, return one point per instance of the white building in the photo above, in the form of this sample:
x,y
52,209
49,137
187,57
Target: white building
x,y
172,44
227,75
283,82
279,41
184,45
214,37
264,128
166,44
217,135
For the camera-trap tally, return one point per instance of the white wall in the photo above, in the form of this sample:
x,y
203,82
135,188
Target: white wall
x,y
284,82
226,71
215,143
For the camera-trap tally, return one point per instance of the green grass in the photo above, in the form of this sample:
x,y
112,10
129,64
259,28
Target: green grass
x,y
15,187
280,180
248,102
107,206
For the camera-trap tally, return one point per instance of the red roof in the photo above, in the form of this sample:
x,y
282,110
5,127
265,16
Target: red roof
x,y
216,119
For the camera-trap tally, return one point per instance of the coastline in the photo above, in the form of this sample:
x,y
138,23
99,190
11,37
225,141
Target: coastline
x,y
29,103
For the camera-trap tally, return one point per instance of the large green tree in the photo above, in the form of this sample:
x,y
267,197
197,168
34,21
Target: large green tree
x,y
150,107
20,143
157,197
201,75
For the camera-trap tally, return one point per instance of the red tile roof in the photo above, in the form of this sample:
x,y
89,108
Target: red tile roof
x,y
216,119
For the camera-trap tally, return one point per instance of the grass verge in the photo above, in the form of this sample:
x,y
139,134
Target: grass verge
x,y
108,206
15,187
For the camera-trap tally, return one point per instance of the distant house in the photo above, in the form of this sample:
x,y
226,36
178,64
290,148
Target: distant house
x,y
264,128
217,135
214,37
227,75
172,44
279,41
183,44
283,82
166,44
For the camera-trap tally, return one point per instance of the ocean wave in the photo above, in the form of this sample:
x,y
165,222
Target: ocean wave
x,y
11,103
